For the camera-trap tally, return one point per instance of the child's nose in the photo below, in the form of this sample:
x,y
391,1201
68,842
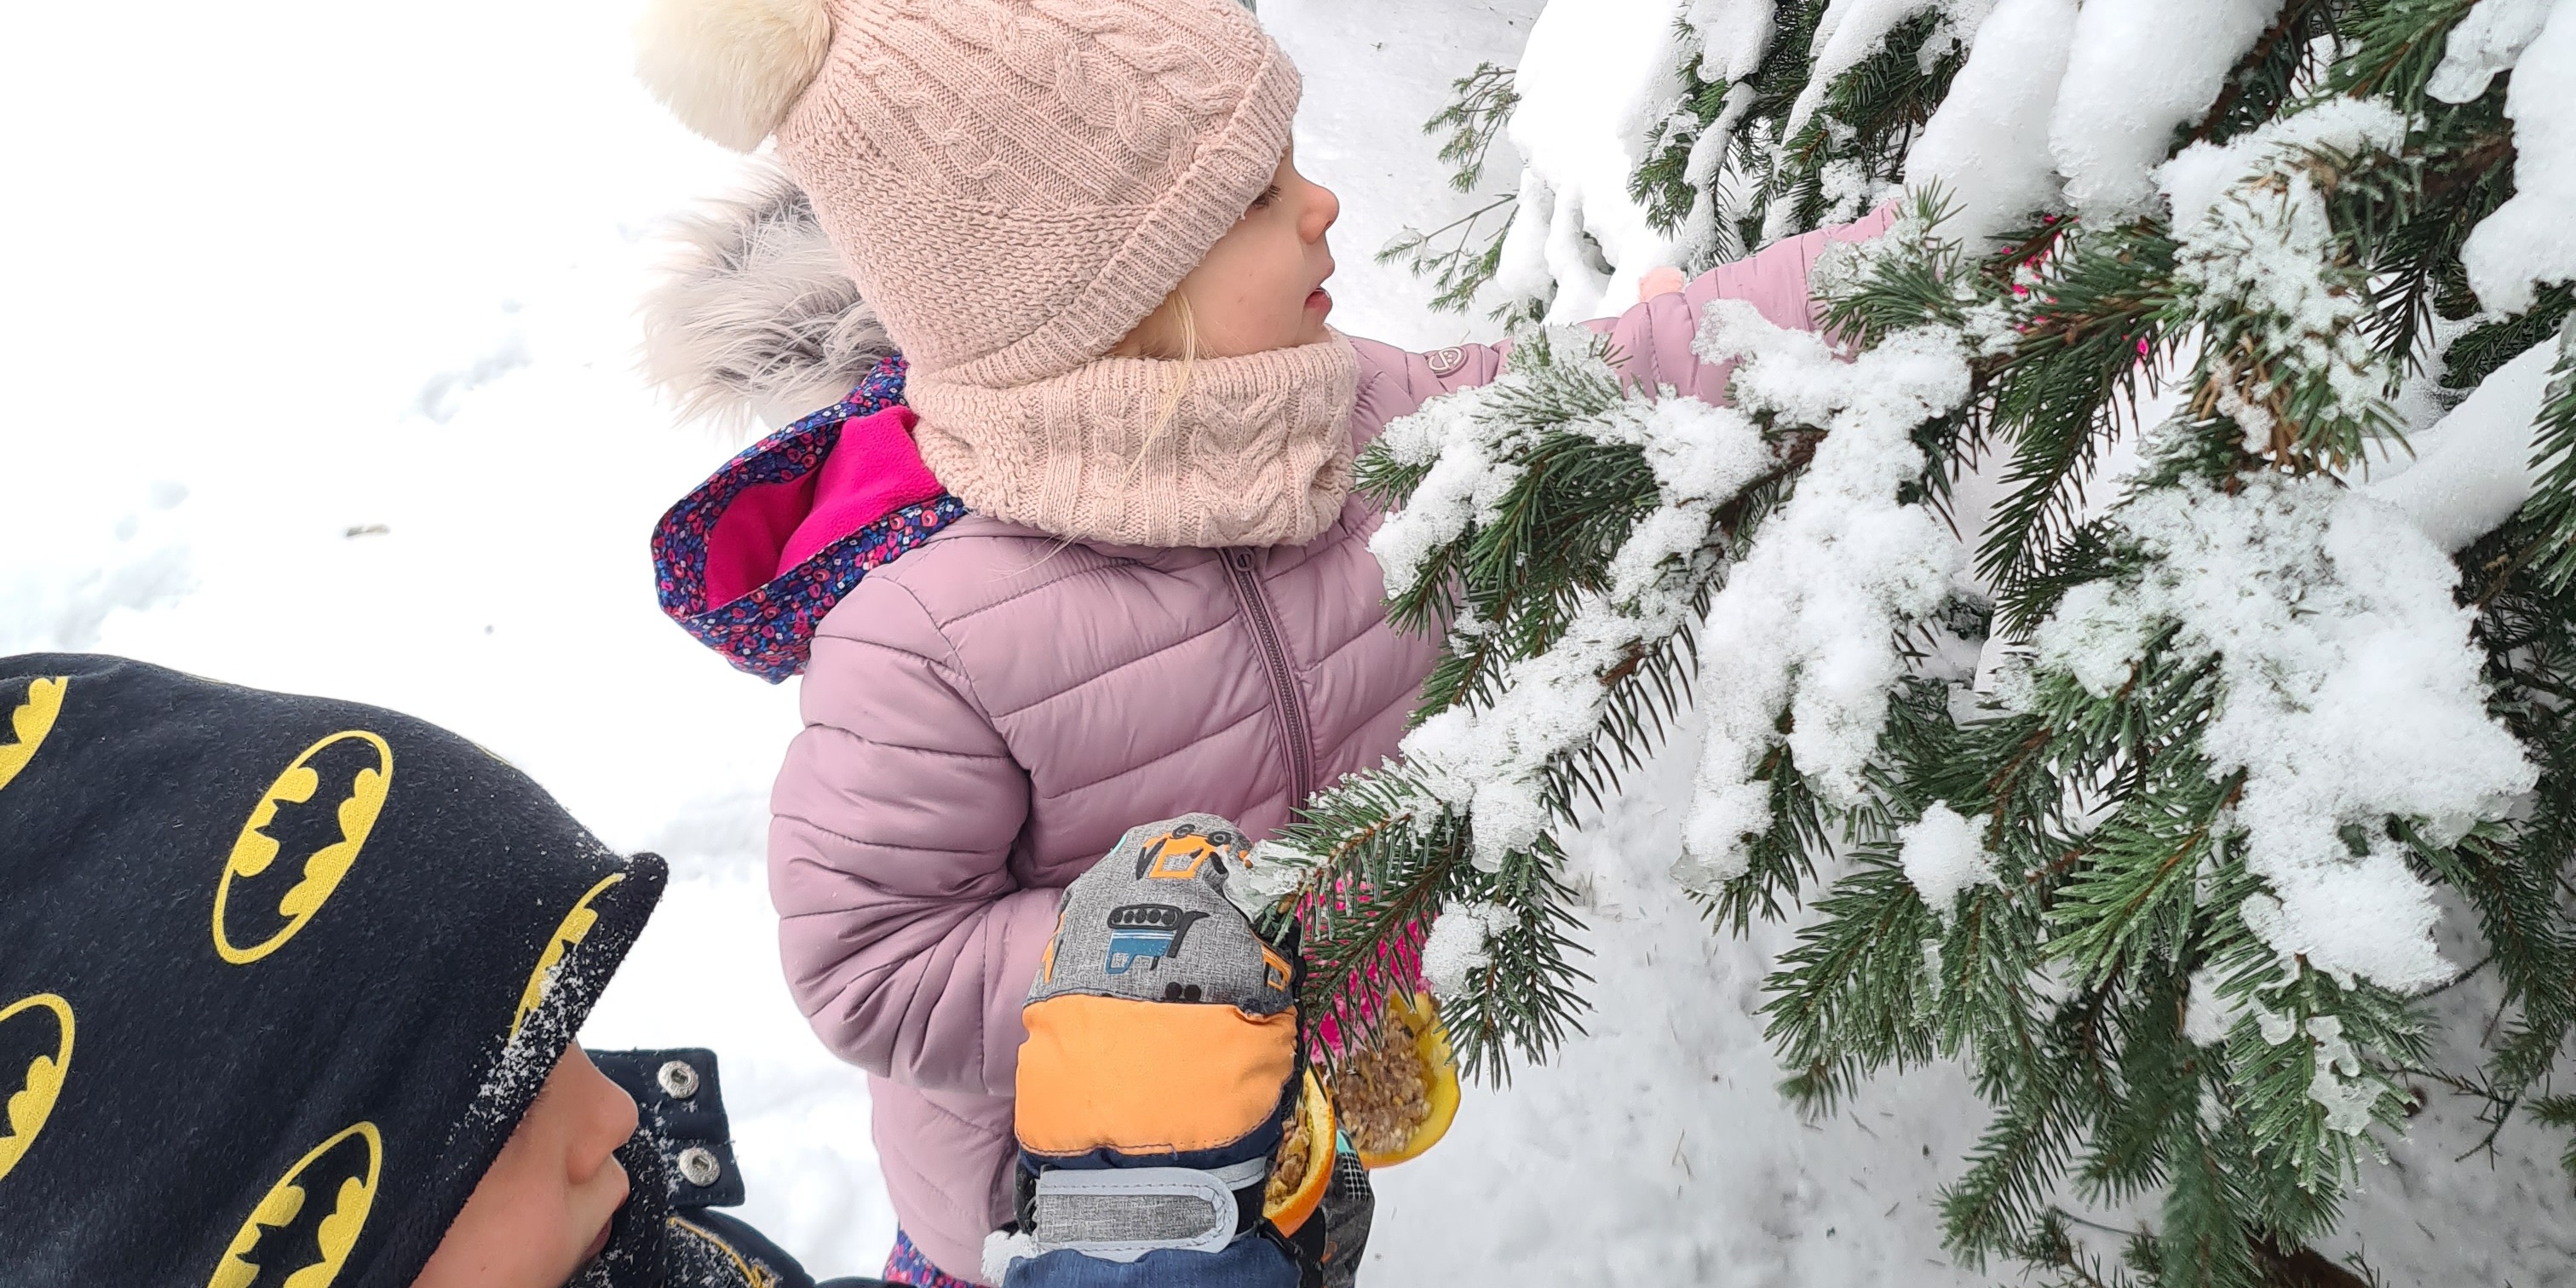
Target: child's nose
x,y
613,1119
618,1121
1321,212
598,1152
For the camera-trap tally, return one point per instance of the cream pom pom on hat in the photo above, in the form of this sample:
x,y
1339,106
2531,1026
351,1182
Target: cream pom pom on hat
x,y
1014,184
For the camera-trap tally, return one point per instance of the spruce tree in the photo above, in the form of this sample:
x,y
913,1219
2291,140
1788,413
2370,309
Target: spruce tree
x,y
2162,868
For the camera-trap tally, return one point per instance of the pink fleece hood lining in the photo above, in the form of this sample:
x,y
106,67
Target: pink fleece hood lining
x,y
770,528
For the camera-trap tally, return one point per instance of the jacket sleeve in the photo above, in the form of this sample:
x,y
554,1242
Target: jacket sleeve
x,y
1394,383
1651,343
907,941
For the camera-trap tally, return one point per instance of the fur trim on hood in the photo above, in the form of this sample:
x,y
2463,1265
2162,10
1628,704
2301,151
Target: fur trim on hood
x,y
755,318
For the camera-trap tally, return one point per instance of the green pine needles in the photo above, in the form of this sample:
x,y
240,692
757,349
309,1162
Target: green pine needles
x,y
1461,256
2163,873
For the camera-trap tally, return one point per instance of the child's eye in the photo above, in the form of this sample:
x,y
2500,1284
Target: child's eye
x,y
1268,195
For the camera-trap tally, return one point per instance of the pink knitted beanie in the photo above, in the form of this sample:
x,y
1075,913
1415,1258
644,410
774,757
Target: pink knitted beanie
x,y
1015,184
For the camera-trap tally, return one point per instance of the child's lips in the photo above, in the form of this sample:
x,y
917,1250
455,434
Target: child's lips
x,y
599,1241
1320,300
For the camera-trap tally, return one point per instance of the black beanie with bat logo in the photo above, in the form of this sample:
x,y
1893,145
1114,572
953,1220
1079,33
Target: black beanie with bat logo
x,y
278,976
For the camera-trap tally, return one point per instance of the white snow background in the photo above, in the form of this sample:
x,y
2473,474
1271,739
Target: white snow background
x,y
317,373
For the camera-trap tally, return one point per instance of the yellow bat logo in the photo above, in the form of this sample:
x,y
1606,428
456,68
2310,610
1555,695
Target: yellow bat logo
x,y
23,1113
29,722
328,833
755,1273
293,1233
575,928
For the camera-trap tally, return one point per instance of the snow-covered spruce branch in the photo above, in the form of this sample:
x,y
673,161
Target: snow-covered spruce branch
x,y
2278,293
1568,537
2207,808
2291,731
2257,711
1802,645
2195,820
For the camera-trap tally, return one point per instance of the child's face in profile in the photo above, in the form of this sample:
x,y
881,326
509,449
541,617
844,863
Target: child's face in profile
x,y
544,1207
1261,286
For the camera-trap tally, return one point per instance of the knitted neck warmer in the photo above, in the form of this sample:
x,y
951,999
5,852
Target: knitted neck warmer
x,y
1258,452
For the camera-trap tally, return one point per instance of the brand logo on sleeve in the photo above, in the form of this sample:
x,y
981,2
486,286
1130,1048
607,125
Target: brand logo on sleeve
x,y
35,1054
575,928
31,717
316,817
300,1233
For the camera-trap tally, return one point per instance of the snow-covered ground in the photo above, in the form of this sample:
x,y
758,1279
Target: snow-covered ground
x,y
318,375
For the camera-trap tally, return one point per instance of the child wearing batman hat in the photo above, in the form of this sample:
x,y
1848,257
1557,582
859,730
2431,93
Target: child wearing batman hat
x,y
289,989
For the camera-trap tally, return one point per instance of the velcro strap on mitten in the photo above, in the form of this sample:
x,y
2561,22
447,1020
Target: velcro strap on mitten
x,y
1120,1214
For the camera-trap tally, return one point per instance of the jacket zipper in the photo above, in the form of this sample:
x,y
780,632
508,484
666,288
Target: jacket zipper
x,y
1292,713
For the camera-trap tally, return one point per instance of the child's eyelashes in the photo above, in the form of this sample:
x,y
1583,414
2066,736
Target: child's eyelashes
x,y
1268,195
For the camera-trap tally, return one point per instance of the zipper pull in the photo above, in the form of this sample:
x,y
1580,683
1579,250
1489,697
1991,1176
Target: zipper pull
x,y
1241,559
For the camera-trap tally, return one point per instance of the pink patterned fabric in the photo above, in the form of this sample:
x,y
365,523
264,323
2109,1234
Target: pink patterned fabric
x,y
766,630
986,714
906,1265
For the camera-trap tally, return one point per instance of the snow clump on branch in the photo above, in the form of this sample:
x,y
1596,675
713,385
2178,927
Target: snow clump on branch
x,y
1474,455
1492,761
1987,146
1809,618
2476,465
1271,874
1588,82
2489,40
1943,857
2138,69
2528,240
2204,178
1847,34
1851,30
1461,943
2348,693
2258,245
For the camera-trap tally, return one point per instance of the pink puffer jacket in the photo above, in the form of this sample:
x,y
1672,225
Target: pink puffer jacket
x,y
987,713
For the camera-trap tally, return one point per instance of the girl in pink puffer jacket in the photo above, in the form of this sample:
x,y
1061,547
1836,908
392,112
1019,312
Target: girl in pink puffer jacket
x,y
1101,563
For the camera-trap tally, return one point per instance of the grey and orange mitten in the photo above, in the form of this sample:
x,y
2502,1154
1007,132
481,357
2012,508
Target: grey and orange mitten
x,y
1169,1131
